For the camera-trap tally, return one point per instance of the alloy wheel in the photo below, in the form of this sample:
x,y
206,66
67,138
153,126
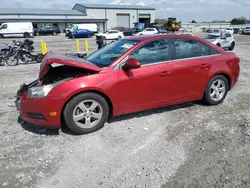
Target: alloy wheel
x,y
217,90
87,114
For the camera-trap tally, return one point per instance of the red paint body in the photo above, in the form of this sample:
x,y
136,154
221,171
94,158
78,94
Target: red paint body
x,y
138,89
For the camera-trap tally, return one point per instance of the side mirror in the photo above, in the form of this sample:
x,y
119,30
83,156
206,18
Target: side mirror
x,y
131,63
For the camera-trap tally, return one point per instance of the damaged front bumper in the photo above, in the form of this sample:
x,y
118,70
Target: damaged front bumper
x,y
36,111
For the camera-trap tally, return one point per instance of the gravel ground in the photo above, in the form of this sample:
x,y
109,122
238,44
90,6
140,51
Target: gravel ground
x,y
184,146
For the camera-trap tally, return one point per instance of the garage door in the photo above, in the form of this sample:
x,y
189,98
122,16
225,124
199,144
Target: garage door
x,y
123,20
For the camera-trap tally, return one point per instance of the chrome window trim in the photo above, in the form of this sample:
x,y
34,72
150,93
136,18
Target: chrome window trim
x,y
119,65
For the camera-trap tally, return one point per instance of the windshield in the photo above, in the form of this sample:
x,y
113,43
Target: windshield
x,y
105,56
211,37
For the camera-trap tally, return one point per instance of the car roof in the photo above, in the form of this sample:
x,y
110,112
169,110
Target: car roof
x,y
113,30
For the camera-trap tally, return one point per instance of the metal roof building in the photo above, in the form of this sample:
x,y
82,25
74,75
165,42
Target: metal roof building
x,y
106,16
118,15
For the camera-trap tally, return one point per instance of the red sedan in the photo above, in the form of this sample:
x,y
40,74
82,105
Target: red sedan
x,y
129,75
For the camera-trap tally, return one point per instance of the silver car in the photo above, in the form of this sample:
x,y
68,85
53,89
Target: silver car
x,y
246,31
225,41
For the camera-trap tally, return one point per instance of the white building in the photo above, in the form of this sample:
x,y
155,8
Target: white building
x,y
105,16
117,15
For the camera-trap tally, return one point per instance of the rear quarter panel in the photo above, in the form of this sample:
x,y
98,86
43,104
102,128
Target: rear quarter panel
x,y
227,63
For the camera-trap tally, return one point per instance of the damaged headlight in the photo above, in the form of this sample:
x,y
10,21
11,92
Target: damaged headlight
x,y
43,91
39,91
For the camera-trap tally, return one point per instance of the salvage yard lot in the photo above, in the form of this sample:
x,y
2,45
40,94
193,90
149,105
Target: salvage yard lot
x,y
185,145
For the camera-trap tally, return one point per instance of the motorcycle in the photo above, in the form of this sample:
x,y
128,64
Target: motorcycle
x,y
23,51
10,54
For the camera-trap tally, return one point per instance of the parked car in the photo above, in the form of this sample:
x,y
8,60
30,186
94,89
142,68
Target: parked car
x,y
119,28
230,30
225,41
130,31
89,26
185,33
111,34
129,75
16,29
48,30
148,31
245,31
80,33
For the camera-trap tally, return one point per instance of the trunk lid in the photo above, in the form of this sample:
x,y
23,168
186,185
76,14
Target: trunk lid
x,y
58,58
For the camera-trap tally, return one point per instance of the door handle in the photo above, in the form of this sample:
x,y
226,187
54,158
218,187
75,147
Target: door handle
x,y
165,73
204,66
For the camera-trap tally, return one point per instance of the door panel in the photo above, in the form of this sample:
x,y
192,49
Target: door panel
x,y
146,86
142,87
189,72
187,78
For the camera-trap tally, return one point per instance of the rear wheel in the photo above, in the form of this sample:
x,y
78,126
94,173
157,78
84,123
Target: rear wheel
x,y
54,33
216,90
26,35
232,46
86,113
218,44
119,38
1,36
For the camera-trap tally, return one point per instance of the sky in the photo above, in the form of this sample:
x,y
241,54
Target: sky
x,y
183,10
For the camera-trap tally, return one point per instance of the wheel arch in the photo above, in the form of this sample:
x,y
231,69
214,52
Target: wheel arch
x,y
223,74
106,97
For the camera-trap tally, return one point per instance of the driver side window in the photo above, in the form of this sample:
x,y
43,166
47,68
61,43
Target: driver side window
x,y
152,52
4,26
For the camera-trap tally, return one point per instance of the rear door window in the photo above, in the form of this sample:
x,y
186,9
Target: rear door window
x,y
189,48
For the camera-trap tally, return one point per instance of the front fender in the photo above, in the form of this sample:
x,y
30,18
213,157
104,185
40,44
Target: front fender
x,y
102,83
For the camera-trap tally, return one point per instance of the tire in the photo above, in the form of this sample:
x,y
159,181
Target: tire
x,y
232,46
12,63
218,44
211,100
119,38
72,108
54,33
26,35
1,36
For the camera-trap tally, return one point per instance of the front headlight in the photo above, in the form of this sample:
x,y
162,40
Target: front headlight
x,y
39,91
43,91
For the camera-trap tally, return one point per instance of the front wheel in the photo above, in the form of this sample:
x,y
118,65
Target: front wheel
x,y
86,113
216,90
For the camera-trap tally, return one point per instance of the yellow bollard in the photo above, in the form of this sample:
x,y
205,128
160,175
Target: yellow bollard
x,y
77,46
45,48
42,46
86,46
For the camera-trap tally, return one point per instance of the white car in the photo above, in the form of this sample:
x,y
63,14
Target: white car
x,y
112,34
230,30
225,41
185,33
148,31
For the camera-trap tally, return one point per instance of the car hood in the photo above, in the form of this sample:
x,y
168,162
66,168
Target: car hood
x,y
58,58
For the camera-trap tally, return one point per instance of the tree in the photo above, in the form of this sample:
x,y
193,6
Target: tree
x,y
238,21
193,21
